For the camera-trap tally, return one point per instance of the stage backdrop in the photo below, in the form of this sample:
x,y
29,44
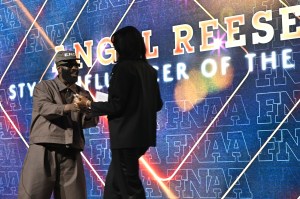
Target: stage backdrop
x,y
229,76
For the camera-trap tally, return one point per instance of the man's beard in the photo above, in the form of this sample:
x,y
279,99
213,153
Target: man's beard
x,y
66,75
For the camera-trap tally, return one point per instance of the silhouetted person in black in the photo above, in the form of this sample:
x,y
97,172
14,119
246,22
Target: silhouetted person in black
x,y
133,100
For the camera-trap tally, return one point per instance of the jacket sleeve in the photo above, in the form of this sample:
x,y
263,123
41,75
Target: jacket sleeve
x,y
88,120
119,88
159,100
44,104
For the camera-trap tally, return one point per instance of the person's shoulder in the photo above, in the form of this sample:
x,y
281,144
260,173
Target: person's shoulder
x,y
123,65
45,82
132,66
130,63
45,85
149,67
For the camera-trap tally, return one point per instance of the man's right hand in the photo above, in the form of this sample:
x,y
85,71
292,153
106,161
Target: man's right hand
x,y
71,108
82,101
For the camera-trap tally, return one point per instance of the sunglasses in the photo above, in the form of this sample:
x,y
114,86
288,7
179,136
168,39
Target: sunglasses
x,y
71,65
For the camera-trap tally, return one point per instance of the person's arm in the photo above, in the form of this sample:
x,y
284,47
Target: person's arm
x,y
159,100
119,89
44,104
88,119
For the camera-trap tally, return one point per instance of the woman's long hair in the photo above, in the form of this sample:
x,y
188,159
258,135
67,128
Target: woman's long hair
x,y
129,43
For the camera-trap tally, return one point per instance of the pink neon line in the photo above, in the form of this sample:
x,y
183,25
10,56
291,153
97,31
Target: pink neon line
x,y
17,51
193,148
211,123
203,134
14,126
7,68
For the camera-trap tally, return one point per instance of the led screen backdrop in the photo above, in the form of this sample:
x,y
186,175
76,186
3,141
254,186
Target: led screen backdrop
x,y
229,77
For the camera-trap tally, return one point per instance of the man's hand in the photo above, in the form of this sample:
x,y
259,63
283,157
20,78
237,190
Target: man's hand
x,y
82,102
71,108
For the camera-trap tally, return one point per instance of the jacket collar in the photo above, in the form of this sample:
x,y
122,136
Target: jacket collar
x,y
62,86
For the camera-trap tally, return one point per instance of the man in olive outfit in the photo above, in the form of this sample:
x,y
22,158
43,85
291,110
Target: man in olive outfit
x,y
53,162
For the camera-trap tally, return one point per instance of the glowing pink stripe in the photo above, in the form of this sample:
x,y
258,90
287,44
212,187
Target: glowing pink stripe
x,y
17,51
